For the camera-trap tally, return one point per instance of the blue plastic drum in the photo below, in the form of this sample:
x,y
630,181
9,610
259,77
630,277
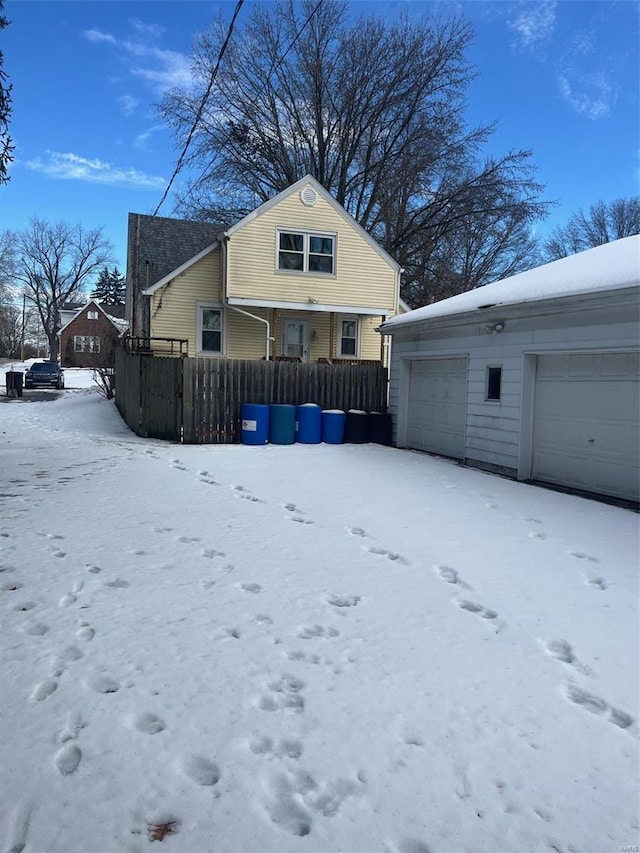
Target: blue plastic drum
x,y
308,423
282,423
333,426
254,425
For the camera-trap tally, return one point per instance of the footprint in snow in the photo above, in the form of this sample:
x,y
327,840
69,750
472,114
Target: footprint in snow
x,y
449,575
103,684
285,748
390,555
251,498
251,587
596,583
343,600
200,770
72,727
535,535
563,651
596,705
188,540
44,689
67,600
357,531
313,631
10,586
86,633
580,555
94,570
478,609
148,723
68,758
210,553
291,508
300,520
118,583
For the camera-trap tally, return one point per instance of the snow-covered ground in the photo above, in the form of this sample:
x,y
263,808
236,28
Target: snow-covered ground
x,y
262,650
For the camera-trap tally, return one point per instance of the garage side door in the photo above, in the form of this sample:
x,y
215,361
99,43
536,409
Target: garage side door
x,y
585,430
437,406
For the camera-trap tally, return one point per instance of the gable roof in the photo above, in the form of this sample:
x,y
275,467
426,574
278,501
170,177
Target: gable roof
x,y
176,272
309,180
612,266
118,323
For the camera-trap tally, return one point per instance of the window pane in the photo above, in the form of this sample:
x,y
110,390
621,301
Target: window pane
x,y
494,379
321,245
321,263
211,319
211,341
292,242
348,346
290,261
348,329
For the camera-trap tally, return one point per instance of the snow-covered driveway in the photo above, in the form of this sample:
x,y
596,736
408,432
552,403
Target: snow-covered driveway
x,y
263,650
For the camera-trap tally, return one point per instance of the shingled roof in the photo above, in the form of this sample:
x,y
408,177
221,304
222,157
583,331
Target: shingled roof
x,y
157,245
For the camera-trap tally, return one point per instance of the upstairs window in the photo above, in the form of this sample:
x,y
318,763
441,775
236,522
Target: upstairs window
x,y
92,315
303,252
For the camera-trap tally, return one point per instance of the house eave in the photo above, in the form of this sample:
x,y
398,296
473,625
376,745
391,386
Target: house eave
x,y
365,311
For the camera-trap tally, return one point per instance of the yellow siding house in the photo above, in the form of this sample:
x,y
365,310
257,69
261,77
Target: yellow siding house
x,y
297,279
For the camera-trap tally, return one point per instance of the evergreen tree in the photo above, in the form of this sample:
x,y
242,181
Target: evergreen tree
x,y
110,287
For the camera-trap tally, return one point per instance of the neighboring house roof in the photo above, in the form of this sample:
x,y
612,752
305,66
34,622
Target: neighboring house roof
x,y
117,322
612,266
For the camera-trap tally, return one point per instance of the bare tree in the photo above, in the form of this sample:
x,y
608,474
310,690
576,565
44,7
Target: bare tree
x,y
373,110
54,263
604,222
6,146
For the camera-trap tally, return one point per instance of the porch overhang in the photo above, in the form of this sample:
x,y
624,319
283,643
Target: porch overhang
x,y
310,305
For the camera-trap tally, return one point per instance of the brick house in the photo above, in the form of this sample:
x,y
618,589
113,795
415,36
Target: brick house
x,y
89,338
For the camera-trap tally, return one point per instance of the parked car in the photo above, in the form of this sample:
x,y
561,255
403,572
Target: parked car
x,y
47,373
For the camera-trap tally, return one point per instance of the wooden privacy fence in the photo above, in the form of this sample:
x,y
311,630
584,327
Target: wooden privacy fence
x,y
198,400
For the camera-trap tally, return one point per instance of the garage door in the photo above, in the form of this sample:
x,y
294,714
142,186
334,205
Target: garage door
x,y
585,430
437,406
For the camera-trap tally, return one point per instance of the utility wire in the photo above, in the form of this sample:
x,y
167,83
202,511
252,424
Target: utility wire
x,y
201,107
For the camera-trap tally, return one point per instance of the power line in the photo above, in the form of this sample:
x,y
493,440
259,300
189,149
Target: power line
x,y
201,107
276,64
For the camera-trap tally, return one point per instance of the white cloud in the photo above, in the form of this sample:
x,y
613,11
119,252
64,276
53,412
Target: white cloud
x,y
163,69
533,24
68,166
128,104
141,141
591,95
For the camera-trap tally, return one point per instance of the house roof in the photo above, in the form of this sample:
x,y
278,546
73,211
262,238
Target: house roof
x,y
117,321
164,245
612,266
309,180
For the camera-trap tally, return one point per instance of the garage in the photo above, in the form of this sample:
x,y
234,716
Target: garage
x,y
437,405
585,426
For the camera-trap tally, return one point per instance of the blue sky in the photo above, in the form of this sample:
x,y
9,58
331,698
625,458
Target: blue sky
x,y
560,78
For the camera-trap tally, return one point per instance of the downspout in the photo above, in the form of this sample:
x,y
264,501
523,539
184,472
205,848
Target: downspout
x,y
225,300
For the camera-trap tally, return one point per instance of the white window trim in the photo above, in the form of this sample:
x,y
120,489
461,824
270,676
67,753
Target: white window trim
x,y
89,351
223,329
351,319
306,234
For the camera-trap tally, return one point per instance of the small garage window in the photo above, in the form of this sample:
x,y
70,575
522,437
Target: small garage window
x,y
494,382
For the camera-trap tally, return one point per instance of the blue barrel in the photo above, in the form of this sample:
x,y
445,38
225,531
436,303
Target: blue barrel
x,y
333,426
282,423
308,423
254,426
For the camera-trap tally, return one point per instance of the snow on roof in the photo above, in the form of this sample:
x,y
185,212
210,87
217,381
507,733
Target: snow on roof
x,y
608,267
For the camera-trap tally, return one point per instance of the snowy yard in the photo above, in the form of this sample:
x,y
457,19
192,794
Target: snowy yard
x,y
262,650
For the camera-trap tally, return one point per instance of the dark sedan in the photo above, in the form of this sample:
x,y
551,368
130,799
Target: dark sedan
x,y
47,373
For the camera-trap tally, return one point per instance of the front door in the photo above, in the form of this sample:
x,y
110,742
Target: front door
x,y
295,339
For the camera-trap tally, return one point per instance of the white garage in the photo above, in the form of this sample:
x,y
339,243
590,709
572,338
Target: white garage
x,y
437,406
535,376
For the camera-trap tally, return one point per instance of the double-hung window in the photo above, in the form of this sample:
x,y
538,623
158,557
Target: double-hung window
x,y
348,336
210,328
300,251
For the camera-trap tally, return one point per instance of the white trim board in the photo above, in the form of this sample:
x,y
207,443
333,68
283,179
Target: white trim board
x,y
365,311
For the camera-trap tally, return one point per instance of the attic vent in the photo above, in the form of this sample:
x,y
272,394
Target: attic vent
x,y
309,196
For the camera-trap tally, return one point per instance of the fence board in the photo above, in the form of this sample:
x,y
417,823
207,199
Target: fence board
x,y
199,400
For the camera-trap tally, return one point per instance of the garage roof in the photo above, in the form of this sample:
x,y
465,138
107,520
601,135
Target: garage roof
x,y
608,267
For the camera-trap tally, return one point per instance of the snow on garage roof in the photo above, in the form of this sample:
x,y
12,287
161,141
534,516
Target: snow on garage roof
x,y
608,267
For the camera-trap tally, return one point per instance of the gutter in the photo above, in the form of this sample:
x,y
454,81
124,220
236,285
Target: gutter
x,y
224,239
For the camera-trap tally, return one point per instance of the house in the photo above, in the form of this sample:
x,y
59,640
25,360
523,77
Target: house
x,y
89,335
535,376
297,279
